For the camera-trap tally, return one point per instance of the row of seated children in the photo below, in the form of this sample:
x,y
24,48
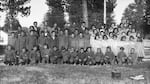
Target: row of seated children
x,y
68,56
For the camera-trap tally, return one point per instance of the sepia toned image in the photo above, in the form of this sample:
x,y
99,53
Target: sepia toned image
x,y
74,41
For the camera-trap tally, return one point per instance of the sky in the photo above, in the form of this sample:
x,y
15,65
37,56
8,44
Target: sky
x,y
39,8
120,8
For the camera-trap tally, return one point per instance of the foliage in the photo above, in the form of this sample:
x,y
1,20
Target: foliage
x,y
133,14
13,8
147,17
95,10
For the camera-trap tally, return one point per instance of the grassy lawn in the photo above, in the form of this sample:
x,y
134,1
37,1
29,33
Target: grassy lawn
x,y
69,74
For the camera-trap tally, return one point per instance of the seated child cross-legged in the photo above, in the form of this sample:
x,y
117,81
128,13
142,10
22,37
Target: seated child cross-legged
x,y
89,57
35,56
10,56
45,53
55,57
81,57
24,57
109,56
73,55
132,58
122,57
65,55
99,57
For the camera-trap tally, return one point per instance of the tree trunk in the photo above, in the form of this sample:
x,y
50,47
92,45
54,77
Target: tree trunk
x,y
85,12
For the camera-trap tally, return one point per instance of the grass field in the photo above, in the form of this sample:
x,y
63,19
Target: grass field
x,y
69,74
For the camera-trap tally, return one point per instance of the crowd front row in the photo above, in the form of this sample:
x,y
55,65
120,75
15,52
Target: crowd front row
x,y
83,56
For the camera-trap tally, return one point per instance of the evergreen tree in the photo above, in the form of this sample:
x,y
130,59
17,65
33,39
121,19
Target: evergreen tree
x,y
134,13
147,18
13,8
95,11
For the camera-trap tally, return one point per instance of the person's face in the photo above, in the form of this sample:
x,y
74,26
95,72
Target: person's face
x,y
22,34
108,49
115,31
124,39
72,35
19,28
42,34
45,23
114,37
111,35
55,25
133,30
105,38
23,50
132,50
35,48
66,32
45,46
89,49
35,24
13,35
138,35
53,33
55,48
81,35
31,33
9,47
76,32
102,33
98,50
93,27
86,31
81,50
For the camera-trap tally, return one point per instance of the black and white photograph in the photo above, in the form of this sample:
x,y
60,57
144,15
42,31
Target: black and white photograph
x,y
74,41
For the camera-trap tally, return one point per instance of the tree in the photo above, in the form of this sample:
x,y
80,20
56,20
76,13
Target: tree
x,y
134,13
13,8
90,11
146,24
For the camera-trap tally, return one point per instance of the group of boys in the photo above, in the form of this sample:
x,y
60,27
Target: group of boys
x,y
56,46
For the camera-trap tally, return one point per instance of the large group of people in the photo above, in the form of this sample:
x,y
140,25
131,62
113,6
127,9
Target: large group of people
x,y
69,45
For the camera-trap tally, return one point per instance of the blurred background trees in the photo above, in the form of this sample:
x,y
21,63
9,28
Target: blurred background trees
x,y
12,9
95,11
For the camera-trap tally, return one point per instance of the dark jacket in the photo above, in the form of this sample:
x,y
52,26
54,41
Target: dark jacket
x,y
20,43
31,41
10,55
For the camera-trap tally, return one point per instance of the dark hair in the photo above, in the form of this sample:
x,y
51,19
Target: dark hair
x,y
121,48
115,29
131,37
123,37
128,32
105,36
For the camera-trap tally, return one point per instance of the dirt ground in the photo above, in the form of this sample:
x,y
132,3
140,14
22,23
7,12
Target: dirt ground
x,y
70,74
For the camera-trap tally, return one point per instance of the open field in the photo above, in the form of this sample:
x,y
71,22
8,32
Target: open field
x,y
69,74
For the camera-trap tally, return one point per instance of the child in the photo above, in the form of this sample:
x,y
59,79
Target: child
x,y
41,40
89,57
99,57
81,57
10,56
73,55
123,38
132,58
122,57
109,56
24,56
55,56
35,56
31,40
65,55
45,53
